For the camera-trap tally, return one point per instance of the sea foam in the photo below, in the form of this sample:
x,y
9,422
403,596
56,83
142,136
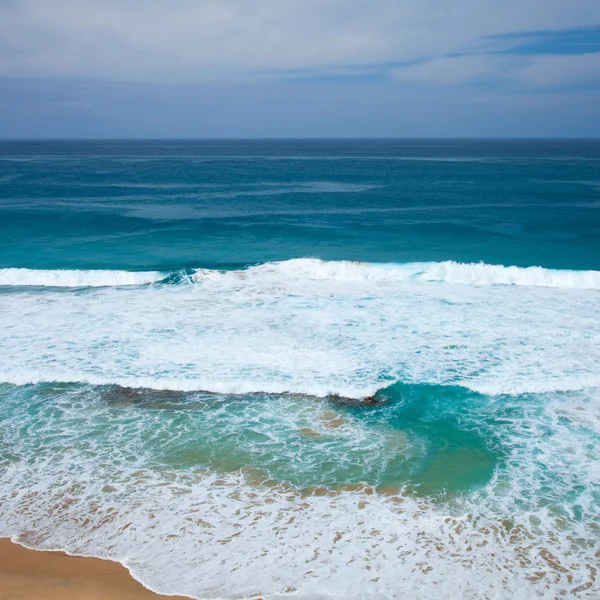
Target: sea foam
x,y
312,269
307,327
447,271
118,481
76,278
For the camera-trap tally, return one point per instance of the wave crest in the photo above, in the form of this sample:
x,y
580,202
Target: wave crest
x,y
76,278
312,269
484,274
448,271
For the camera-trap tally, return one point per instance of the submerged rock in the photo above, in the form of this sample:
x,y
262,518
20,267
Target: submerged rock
x,y
126,396
310,433
366,401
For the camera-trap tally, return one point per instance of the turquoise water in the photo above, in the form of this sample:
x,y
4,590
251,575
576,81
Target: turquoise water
x,y
174,205
337,369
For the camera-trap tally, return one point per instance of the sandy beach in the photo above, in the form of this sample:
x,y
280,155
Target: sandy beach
x,y
32,575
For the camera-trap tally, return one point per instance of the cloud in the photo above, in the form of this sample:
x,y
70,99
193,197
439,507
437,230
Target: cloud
x,y
459,69
567,70
293,68
524,71
207,40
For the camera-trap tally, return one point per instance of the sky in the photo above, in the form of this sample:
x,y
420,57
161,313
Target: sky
x,y
299,68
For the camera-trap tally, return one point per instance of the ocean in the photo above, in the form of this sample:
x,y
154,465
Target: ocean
x,y
332,370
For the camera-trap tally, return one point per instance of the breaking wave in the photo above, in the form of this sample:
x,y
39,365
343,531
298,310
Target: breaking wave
x,y
191,384
75,278
336,390
306,326
446,271
312,269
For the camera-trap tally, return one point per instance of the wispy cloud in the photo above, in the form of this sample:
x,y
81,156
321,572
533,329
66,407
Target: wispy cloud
x,y
236,68
516,71
202,40
567,70
583,40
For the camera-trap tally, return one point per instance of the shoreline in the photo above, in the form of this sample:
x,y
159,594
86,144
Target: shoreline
x,y
53,575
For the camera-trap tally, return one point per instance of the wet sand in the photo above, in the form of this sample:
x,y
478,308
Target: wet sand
x,y
32,575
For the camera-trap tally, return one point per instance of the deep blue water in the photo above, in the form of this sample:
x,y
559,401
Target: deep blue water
x,y
223,204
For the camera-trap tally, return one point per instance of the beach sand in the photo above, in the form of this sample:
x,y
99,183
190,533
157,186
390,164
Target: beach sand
x,y
32,575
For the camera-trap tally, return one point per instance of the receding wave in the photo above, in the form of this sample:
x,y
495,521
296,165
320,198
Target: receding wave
x,y
192,384
373,391
76,278
162,492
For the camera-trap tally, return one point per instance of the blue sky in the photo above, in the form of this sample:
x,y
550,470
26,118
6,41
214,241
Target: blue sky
x,y
296,68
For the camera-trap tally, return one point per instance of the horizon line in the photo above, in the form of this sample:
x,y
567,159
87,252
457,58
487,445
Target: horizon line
x,y
307,138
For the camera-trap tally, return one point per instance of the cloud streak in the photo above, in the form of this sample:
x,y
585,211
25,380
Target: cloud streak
x,y
295,68
521,71
197,41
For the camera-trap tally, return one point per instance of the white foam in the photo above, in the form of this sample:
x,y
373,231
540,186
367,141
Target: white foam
x,y
93,478
482,274
305,327
99,489
76,278
231,541
478,274
191,384
516,386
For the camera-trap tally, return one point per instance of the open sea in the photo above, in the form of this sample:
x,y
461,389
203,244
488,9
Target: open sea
x,y
326,370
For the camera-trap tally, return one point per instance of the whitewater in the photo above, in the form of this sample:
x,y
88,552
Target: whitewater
x,y
302,329
245,370
311,269
306,326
